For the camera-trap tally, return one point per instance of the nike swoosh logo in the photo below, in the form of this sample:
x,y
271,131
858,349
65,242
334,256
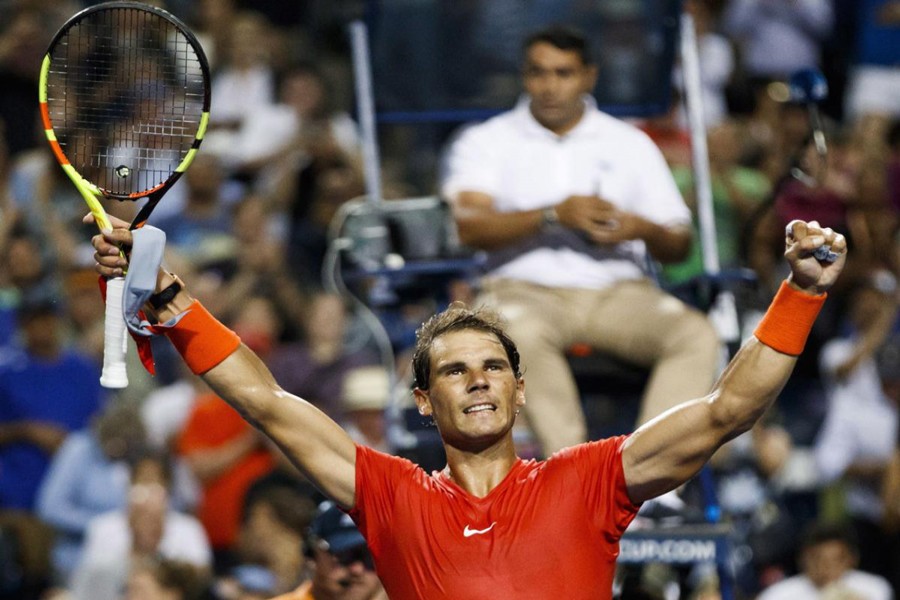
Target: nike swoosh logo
x,y
470,532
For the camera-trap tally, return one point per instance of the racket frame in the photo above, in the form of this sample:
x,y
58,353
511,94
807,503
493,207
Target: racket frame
x,y
116,334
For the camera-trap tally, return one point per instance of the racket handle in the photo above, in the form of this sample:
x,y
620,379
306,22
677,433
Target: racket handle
x,y
115,337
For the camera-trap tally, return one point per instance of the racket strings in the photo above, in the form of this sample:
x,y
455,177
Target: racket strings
x,y
126,92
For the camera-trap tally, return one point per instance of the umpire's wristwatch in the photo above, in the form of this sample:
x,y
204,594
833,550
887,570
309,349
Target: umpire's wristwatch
x,y
549,217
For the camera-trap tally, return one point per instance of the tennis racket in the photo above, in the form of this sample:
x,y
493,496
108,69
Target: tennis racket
x,y
124,97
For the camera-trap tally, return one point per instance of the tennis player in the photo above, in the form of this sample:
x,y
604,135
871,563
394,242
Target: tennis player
x,y
490,525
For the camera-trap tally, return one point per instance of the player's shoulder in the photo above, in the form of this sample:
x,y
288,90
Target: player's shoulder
x,y
369,458
598,451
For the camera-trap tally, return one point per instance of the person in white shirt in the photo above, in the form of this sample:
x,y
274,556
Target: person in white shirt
x,y
827,560
570,203
118,540
857,439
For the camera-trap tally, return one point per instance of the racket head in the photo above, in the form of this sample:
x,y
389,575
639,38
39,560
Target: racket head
x,y
124,96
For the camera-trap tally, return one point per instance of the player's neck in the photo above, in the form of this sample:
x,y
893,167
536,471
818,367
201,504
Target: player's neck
x,y
480,472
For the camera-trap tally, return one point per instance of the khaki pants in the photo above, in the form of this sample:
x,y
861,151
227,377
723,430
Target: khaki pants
x,y
634,321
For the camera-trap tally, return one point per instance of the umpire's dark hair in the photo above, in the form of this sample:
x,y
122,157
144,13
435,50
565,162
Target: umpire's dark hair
x,y
458,317
821,533
562,37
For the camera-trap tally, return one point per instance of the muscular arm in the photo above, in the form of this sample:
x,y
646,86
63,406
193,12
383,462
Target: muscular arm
x,y
322,451
313,442
670,449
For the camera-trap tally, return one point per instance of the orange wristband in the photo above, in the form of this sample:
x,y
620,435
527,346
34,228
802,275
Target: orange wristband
x,y
201,339
790,317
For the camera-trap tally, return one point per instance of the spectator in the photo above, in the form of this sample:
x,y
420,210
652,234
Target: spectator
x,y
203,227
343,565
226,455
874,80
777,38
315,367
247,582
87,477
276,520
858,437
27,271
246,79
827,193
259,269
737,192
303,130
570,204
34,423
827,561
716,56
161,579
366,394
147,528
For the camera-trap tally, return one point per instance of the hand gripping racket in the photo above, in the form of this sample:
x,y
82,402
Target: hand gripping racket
x,y
124,97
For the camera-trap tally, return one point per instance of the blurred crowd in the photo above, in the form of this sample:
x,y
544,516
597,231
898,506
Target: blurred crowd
x,y
161,488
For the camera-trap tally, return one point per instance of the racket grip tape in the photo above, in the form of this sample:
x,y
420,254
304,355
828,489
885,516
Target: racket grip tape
x,y
115,337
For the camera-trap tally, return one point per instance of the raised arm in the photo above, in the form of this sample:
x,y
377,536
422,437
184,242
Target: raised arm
x,y
669,450
315,443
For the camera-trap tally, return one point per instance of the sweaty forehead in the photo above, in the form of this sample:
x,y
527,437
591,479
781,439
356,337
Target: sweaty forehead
x,y
466,344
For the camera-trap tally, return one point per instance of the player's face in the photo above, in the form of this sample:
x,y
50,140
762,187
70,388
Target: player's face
x,y
557,80
474,393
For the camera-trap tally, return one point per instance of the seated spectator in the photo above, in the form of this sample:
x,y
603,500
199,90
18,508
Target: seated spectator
x,y
226,455
148,528
247,582
775,39
366,395
874,80
570,205
34,423
276,519
314,368
737,191
259,269
87,477
826,192
162,579
202,228
716,56
859,434
827,561
343,567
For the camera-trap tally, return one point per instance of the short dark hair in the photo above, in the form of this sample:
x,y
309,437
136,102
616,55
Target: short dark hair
x,y
293,510
817,534
458,317
146,454
562,37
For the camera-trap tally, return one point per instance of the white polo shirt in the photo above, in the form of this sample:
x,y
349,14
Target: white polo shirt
x,y
525,166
